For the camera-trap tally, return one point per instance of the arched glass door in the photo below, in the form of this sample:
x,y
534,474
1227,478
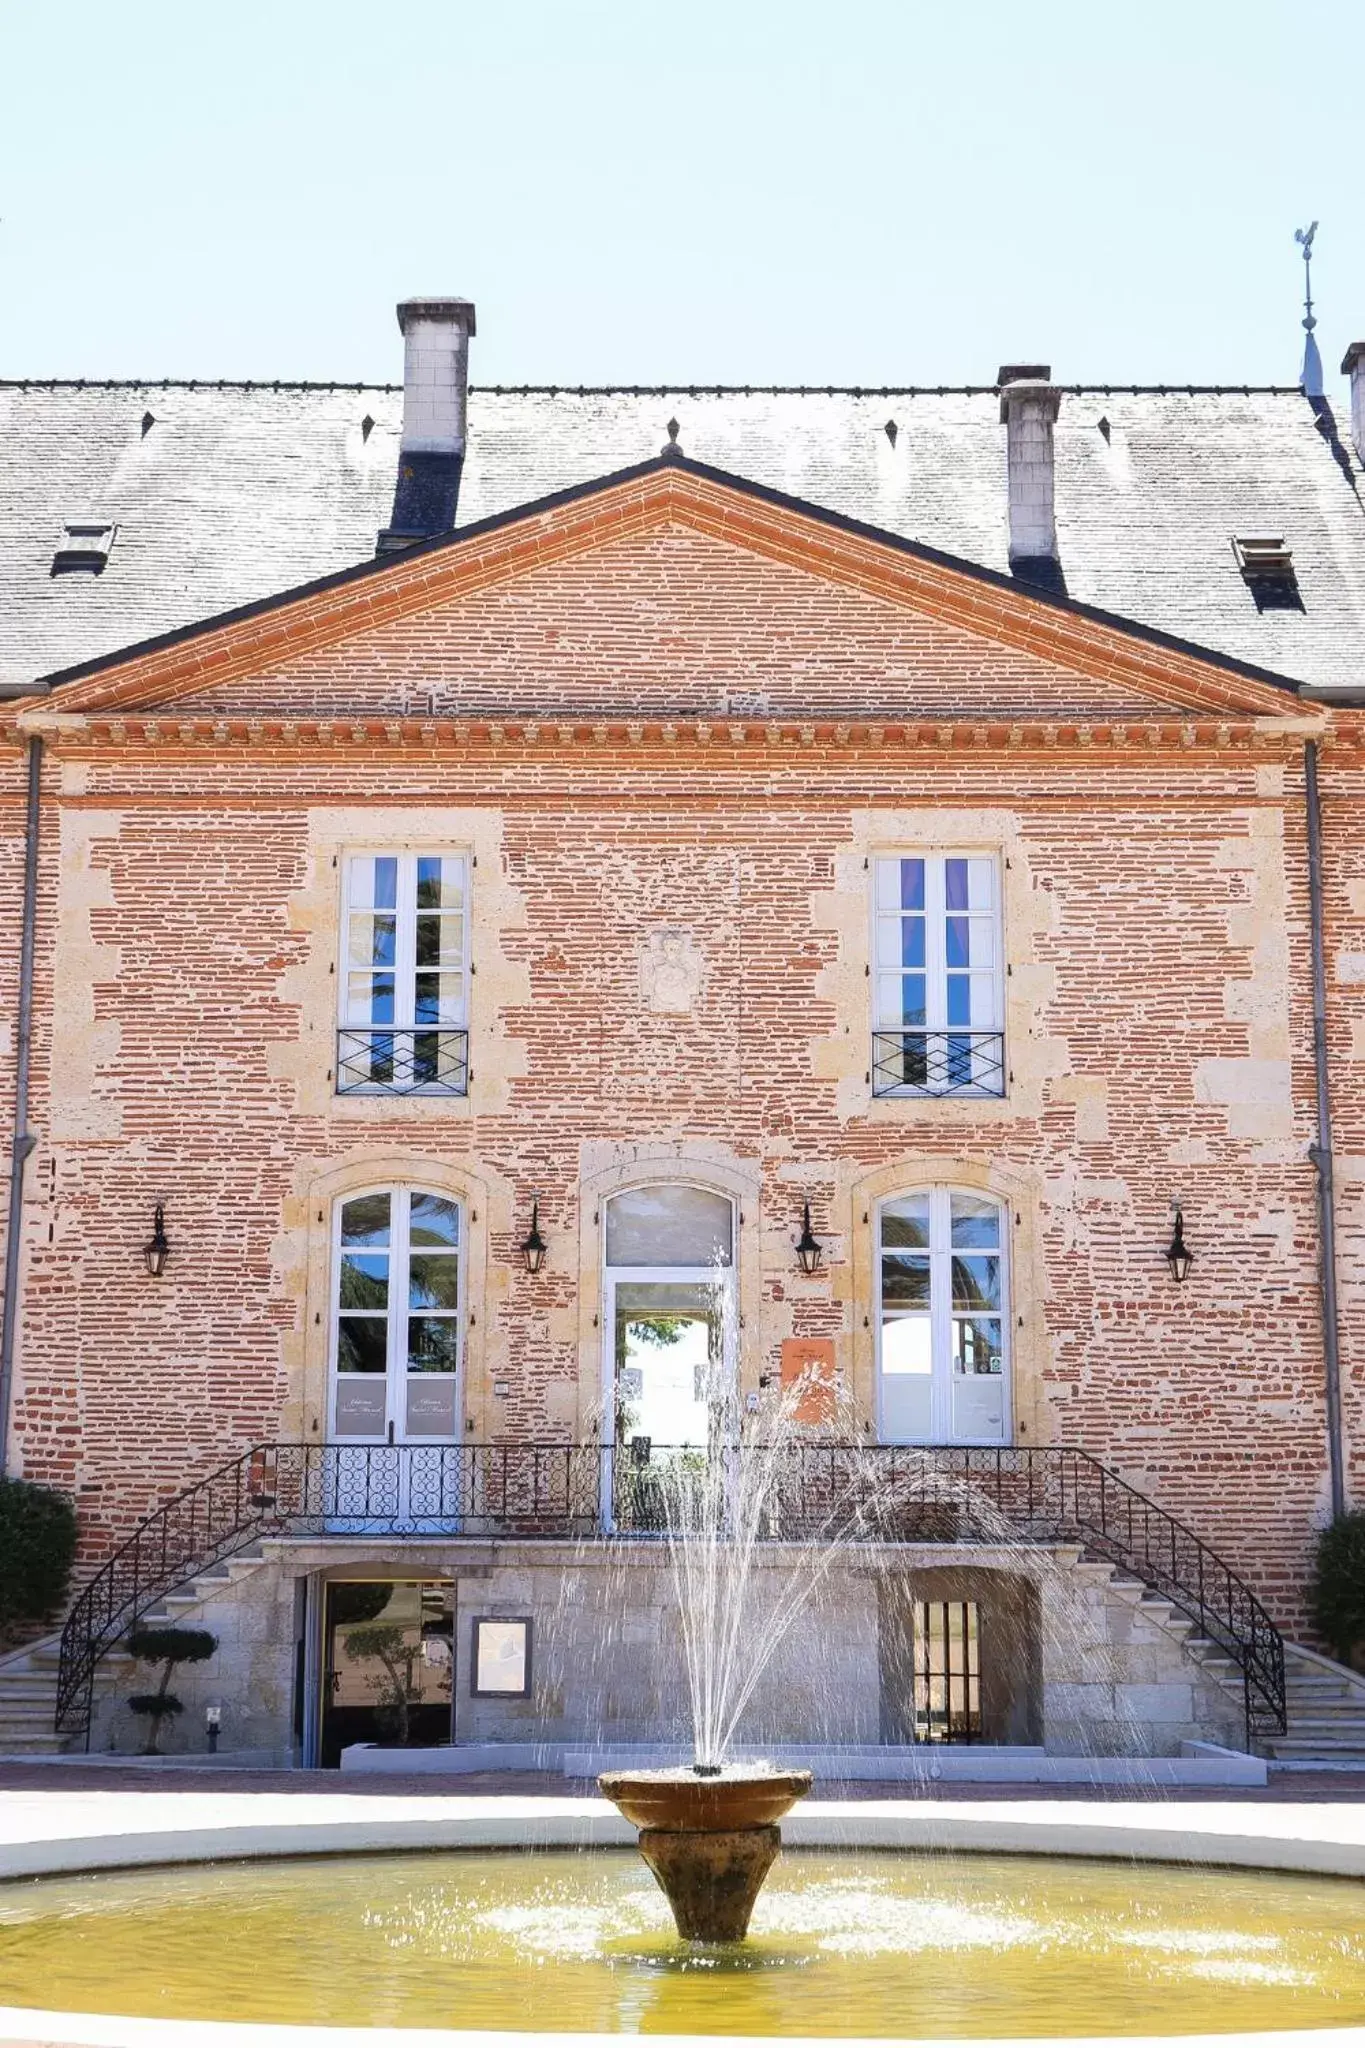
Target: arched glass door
x,y
669,1363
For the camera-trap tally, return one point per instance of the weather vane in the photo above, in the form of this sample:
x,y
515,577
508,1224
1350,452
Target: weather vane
x,y
1311,377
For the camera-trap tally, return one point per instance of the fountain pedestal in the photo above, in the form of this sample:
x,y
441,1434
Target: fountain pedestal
x,y
710,1841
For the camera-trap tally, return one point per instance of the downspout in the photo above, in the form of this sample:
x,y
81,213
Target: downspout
x,y
1321,1152
24,1140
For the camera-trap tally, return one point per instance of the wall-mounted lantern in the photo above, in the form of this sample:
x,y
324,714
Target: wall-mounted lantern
x,y
533,1245
1179,1257
809,1250
157,1249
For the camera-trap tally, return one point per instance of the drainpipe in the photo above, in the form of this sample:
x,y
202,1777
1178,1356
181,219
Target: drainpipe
x,y
1321,1152
24,1139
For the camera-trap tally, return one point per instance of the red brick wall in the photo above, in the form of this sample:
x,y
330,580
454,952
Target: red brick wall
x,y
1210,1394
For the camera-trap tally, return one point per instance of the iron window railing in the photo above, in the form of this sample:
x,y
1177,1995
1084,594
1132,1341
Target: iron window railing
x,y
386,1059
919,1062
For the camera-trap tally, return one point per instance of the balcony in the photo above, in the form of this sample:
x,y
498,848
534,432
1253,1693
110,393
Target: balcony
x,y
915,1062
427,1059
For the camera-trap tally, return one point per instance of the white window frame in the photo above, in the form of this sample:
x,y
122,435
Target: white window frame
x,y
987,1074
404,1020
941,1252
396,1320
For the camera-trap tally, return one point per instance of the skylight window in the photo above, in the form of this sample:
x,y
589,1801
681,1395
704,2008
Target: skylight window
x,y
85,544
1267,567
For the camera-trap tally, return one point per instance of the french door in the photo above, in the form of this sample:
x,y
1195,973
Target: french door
x,y
942,1326
397,1357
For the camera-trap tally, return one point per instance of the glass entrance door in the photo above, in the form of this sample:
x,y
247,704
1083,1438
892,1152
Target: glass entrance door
x,y
942,1327
670,1353
388,1671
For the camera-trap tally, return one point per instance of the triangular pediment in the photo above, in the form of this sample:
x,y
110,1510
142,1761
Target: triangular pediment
x,y
678,589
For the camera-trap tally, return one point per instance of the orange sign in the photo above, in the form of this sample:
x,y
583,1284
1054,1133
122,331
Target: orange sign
x,y
808,1363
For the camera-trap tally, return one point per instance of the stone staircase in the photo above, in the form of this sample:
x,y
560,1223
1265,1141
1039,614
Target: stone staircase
x,y
28,1677
1326,1714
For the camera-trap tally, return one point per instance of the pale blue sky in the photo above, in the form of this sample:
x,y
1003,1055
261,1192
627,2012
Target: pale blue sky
x,y
734,190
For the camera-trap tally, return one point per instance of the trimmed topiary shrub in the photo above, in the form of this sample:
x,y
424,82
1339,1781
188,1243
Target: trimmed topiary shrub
x,y
1337,1590
167,1647
37,1545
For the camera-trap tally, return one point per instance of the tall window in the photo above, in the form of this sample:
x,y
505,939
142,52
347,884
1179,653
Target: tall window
x,y
942,1318
404,985
397,1315
938,1004
669,1285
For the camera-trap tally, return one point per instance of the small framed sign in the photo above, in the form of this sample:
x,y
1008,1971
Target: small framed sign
x,y
500,1659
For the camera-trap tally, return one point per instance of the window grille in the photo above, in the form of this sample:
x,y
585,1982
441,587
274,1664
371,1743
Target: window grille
x,y
947,1671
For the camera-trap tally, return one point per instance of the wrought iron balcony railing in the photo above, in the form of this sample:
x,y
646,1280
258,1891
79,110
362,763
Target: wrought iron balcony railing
x,y
812,1492
384,1059
938,1062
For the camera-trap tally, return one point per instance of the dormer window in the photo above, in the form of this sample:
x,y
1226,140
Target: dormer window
x,y
1267,567
85,544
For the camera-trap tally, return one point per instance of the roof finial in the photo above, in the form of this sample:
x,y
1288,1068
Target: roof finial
x,y
670,446
1311,375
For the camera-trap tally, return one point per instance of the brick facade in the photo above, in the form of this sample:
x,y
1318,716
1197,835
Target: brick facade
x,y
637,720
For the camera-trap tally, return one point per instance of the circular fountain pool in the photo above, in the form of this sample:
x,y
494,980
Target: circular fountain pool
x,y
877,1943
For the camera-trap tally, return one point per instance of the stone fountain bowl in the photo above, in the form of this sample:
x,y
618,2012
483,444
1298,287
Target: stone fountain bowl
x,y
680,1802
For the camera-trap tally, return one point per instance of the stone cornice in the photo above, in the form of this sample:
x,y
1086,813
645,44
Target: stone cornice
x,y
737,736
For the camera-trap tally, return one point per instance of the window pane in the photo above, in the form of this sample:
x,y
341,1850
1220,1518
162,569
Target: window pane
x,y
981,884
670,1226
439,999
905,1280
439,941
906,1345
369,999
976,1345
386,882
912,1012
372,940
440,882
365,1220
955,884
433,1343
434,1281
975,1221
959,999
431,1406
912,884
434,1220
906,1221
362,1344
365,1281
361,1407
976,1281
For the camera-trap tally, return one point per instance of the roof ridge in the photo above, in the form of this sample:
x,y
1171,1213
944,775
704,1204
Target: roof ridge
x,y
1172,389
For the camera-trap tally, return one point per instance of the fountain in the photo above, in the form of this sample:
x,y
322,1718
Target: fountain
x,y
708,1830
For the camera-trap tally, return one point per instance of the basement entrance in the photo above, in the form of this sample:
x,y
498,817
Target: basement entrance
x,y
388,1664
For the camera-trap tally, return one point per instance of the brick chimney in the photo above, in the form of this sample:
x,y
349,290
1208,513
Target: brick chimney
x,y
1028,407
436,336
1353,366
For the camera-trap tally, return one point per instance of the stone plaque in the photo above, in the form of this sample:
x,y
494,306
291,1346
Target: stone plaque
x,y
671,970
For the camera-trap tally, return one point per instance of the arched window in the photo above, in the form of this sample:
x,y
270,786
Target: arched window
x,y
670,1251
942,1321
397,1316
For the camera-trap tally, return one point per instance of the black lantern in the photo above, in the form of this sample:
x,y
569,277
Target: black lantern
x,y
533,1245
809,1249
157,1249
1179,1257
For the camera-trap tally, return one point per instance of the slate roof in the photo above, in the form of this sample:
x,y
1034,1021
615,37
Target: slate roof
x,y
236,492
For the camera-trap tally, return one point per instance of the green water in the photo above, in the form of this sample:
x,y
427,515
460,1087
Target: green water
x,y
867,1943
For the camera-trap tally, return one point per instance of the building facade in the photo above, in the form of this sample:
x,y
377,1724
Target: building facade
x,y
479,969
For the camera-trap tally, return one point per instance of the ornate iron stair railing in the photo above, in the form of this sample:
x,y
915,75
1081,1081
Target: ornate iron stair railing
x,y
877,1493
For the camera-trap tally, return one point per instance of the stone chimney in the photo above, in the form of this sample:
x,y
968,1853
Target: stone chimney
x,y
1353,366
436,336
1028,407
